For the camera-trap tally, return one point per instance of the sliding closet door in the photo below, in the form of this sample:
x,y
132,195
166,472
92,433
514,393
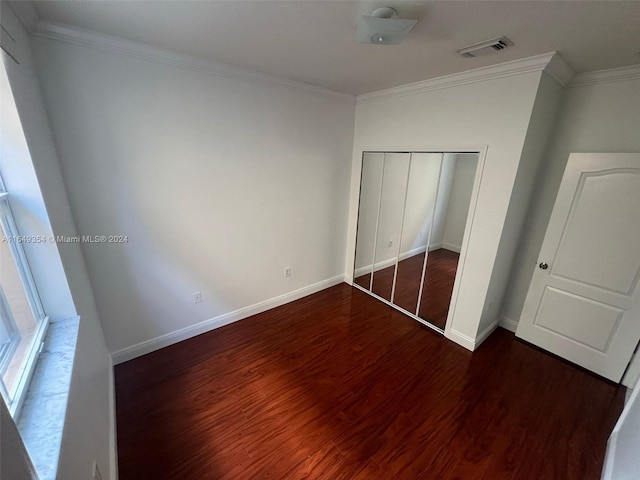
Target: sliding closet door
x,y
419,226
394,188
450,217
411,220
370,189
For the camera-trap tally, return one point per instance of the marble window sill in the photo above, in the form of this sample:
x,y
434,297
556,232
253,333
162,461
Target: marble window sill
x,y
41,420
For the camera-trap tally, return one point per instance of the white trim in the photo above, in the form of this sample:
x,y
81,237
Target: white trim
x,y
559,70
378,266
483,335
632,374
468,228
414,251
148,346
551,63
508,324
400,309
86,38
451,247
113,433
460,339
473,148
606,76
468,342
28,368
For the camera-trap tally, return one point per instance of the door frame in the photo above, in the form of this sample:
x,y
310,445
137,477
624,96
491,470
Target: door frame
x,y
481,151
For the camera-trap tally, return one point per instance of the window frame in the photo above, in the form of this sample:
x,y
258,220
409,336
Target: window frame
x,y
15,399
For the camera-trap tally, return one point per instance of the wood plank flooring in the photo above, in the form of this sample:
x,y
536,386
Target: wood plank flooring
x,y
436,291
340,386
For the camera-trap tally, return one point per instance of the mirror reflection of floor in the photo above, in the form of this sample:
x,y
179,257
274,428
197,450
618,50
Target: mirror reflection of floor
x,y
438,284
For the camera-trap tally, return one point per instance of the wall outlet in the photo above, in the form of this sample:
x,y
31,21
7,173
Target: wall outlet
x,y
390,243
287,272
96,475
197,297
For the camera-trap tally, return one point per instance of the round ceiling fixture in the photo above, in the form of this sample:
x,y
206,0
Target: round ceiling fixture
x,y
384,12
383,27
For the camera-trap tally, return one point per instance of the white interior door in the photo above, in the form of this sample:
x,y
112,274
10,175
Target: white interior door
x,y
583,303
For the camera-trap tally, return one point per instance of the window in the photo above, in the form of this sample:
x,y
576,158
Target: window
x,y
22,318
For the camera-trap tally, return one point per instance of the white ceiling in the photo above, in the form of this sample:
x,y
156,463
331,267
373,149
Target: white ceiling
x,y
312,41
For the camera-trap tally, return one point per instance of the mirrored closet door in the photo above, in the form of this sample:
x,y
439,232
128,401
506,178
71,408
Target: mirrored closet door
x,y
411,219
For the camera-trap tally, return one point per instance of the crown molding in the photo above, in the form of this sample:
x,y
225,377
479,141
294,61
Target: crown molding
x,y
86,38
559,72
631,72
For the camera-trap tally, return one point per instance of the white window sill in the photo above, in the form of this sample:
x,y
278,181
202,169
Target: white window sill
x,y
41,420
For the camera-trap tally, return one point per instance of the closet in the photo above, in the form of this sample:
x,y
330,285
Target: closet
x,y
412,213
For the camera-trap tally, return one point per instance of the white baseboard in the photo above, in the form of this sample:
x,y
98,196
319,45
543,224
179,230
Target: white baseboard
x,y
391,261
460,339
148,346
482,336
508,324
435,246
452,247
378,266
413,252
468,342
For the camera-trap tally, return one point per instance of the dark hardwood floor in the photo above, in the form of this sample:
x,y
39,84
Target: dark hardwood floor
x,y
436,291
338,385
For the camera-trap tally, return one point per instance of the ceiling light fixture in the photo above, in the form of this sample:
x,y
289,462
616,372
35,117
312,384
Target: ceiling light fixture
x,y
383,28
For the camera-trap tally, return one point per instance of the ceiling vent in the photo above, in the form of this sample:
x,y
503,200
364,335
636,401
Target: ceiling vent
x,y
485,48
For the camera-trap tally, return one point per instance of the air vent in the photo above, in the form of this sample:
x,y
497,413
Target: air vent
x,y
485,48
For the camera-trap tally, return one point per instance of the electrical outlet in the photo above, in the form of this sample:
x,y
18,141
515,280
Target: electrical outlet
x,y
197,297
390,242
287,272
96,475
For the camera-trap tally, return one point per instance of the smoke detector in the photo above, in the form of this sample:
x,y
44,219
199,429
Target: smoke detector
x,y
485,48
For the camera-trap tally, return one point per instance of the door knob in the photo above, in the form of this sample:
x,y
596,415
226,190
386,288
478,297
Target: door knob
x,y
543,266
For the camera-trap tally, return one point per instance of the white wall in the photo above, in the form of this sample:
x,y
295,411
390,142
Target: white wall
x,y
370,187
493,112
457,211
218,183
444,186
543,117
393,192
28,207
593,118
88,433
418,194
621,461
